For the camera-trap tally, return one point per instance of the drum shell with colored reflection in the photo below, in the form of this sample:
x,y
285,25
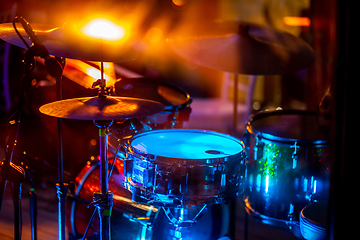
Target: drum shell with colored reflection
x,y
281,181
179,167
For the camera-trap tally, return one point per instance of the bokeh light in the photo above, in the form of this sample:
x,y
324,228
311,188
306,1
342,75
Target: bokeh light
x,y
102,28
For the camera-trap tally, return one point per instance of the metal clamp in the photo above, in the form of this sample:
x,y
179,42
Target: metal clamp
x,y
104,202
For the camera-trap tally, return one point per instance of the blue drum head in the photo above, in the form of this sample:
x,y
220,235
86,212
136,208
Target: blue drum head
x,y
187,144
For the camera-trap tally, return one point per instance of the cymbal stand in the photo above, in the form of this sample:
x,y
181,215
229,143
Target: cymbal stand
x,y
103,199
9,171
61,187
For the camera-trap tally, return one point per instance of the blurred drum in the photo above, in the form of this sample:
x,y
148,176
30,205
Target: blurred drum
x,y
180,167
177,107
288,164
313,221
131,220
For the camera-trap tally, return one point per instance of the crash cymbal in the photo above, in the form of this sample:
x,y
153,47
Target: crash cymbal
x,y
102,108
242,48
67,42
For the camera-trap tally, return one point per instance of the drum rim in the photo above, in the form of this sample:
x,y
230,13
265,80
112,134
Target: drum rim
x,y
169,160
186,104
271,138
309,222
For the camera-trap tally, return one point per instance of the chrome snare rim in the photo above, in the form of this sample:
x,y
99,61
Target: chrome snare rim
x,y
153,158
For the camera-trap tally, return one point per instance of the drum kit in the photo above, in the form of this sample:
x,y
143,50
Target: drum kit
x,y
161,177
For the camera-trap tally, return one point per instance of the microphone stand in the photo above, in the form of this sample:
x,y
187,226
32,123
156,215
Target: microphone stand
x,y
16,174
61,187
9,171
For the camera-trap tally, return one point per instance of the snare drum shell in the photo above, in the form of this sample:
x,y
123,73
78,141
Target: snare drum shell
x,y
205,175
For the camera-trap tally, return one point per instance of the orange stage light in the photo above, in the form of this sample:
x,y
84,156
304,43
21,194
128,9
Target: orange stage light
x,y
105,29
297,21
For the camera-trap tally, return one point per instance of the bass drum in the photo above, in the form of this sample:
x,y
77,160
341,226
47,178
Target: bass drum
x,y
177,108
131,220
288,164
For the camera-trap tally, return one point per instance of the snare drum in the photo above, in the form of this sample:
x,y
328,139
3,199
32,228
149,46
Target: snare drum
x,y
180,167
288,164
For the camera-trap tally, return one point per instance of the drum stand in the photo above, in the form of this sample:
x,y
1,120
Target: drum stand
x,y
103,199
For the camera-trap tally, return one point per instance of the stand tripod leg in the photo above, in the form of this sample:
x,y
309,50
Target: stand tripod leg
x,y
16,192
33,212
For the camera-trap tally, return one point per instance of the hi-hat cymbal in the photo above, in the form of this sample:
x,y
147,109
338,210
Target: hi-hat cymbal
x,y
242,48
68,43
102,108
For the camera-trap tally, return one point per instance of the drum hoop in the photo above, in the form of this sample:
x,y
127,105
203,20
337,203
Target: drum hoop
x,y
307,220
270,138
152,158
185,105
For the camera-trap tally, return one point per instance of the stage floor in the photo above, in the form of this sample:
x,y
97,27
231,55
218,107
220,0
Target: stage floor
x,y
47,219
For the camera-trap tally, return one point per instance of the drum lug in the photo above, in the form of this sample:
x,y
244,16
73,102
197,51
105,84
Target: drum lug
x,y
257,149
295,155
291,215
247,141
104,203
173,118
128,166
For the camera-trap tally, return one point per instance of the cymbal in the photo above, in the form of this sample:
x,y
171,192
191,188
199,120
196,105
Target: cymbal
x,y
242,48
68,43
101,108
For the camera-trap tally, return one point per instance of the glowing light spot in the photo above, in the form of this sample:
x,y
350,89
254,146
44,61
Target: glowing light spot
x,y
305,184
154,35
256,106
93,142
297,21
179,3
95,73
258,182
103,29
267,181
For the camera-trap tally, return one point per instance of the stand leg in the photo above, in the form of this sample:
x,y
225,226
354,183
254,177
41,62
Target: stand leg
x,y
232,224
33,212
16,192
60,185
